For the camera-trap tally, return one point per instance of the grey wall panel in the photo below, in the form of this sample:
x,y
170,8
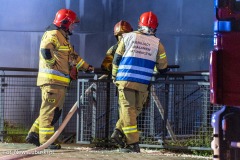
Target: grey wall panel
x,y
99,15
93,48
169,43
169,16
92,15
19,49
189,52
194,53
197,17
28,15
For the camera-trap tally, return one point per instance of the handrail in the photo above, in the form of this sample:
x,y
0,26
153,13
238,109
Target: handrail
x,y
187,73
100,71
19,69
96,70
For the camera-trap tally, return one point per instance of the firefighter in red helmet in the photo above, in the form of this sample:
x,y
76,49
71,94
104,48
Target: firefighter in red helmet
x,y
58,65
133,64
148,23
65,18
119,28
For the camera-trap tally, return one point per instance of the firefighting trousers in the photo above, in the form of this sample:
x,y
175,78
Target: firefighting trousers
x,y
53,97
130,106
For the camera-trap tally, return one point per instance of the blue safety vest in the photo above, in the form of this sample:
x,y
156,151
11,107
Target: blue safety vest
x,y
139,58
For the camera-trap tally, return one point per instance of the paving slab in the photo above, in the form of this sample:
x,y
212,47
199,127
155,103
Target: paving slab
x,y
82,152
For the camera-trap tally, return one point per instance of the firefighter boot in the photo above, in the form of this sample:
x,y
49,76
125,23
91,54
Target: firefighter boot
x,y
131,148
117,137
33,138
54,146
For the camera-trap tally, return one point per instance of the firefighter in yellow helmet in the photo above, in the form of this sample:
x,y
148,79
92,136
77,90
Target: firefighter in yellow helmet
x,y
58,65
119,28
133,64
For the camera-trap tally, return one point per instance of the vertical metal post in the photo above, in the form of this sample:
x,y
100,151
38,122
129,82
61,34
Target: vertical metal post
x,y
2,81
152,130
94,109
81,125
205,107
81,102
107,110
80,99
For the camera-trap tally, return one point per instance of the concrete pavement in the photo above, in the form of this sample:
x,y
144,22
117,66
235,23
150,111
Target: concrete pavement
x,y
80,152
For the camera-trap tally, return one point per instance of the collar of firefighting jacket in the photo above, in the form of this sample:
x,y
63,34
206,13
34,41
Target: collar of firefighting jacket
x,y
64,33
53,27
138,32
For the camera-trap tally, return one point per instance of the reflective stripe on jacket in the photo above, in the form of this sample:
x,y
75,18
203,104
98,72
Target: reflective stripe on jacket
x,y
54,75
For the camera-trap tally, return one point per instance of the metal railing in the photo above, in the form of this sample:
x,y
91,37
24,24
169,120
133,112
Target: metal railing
x,y
177,115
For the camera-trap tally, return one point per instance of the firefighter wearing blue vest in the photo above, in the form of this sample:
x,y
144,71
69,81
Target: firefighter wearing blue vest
x,y
58,65
133,64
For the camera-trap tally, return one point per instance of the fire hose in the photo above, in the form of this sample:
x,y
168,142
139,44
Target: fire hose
x,y
161,111
52,139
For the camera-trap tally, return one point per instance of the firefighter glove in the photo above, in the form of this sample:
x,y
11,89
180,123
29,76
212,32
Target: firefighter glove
x,y
113,77
162,71
73,73
89,69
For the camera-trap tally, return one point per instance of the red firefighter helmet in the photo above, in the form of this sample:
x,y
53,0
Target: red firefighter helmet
x,y
122,27
64,18
148,19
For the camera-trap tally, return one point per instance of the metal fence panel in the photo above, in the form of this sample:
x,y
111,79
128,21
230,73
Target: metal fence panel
x,y
184,103
178,112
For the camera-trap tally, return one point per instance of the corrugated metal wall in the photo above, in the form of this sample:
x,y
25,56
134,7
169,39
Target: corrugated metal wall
x,y
185,28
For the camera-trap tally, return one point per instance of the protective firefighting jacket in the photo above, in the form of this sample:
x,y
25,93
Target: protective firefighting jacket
x,y
135,58
107,62
56,57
